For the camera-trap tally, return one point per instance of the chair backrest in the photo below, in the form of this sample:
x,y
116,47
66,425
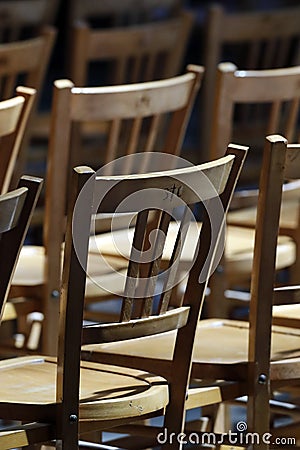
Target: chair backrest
x,y
149,282
251,40
277,90
14,115
129,54
127,12
155,115
280,162
27,59
18,18
16,208
25,62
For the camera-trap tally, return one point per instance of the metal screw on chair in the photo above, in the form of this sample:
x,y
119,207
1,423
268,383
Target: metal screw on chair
x,y
55,293
262,379
220,269
73,418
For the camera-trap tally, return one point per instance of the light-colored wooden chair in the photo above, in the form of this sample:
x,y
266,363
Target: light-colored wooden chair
x,y
252,41
279,89
135,54
145,106
231,350
278,92
15,113
61,399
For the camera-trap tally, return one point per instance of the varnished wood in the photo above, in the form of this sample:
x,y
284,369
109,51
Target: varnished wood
x,y
228,349
279,89
71,106
129,54
27,58
75,396
256,39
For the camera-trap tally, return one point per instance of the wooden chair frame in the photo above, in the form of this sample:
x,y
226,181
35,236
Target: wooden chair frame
x,y
71,105
213,184
265,43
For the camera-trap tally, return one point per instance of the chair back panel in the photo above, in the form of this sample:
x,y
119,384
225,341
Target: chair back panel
x,y
272,100
252,41
129,54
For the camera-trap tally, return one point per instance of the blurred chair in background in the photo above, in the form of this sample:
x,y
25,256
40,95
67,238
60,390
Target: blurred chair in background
x,y
251,40
277,94
25,62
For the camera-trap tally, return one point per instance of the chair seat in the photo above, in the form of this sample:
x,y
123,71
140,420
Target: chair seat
x,y
287,315
238,250
217,341
107,392
30,267
288,216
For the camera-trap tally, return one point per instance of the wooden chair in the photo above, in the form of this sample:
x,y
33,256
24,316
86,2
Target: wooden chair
x,y
278,91
135,54
231,350
130,54
47,399
138,107
252,41
23,18
25,61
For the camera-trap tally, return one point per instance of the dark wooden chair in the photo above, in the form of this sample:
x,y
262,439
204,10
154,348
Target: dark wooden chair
x,y
48,400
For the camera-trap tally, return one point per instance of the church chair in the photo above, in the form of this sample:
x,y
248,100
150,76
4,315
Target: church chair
x,y
25,61
252,40
256,358
59,400
155,115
